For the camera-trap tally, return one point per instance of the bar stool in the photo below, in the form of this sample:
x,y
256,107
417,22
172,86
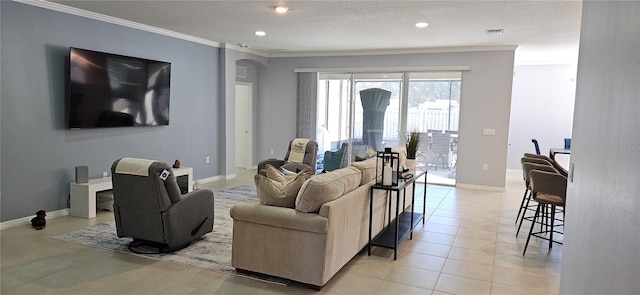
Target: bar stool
x,y
553,162
548,189
527,165
536,145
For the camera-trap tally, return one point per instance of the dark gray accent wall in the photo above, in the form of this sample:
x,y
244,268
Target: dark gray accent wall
x,y
38,154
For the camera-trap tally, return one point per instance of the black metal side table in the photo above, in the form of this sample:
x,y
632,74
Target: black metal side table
x,y
397,230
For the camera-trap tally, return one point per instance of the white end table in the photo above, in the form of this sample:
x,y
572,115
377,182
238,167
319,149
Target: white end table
x,y
83,195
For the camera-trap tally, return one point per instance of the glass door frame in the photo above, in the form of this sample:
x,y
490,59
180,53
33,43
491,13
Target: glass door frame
x,y
404,93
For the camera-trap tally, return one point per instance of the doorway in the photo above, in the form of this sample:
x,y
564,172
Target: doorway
x,y
244,125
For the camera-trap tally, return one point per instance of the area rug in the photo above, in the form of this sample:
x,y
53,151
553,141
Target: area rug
x,y
211,252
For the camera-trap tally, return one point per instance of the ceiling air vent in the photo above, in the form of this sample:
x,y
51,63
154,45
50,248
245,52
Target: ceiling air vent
x,y
495,31
241,72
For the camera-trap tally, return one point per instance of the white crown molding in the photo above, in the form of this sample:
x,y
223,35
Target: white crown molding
x,y
264,53
244,49
116,21
396,51
385,69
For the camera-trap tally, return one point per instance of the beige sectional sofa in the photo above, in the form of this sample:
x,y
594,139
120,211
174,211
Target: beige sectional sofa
x,y
313,241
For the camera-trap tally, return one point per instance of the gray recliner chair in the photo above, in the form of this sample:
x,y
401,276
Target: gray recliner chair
x,y
302,153
148,206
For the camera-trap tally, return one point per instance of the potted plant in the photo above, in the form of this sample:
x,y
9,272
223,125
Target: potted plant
x,y
412,149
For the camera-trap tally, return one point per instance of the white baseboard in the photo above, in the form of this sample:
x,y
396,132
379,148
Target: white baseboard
x,y
214,178
65,212
208,179
481,187
27,220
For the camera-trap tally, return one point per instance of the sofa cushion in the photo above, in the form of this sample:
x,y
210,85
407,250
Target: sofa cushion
x,y
367,169
281,191
327,187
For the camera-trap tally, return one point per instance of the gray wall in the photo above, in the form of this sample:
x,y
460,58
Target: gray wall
x,y
541,107
228,59
486,98
38,154
601,252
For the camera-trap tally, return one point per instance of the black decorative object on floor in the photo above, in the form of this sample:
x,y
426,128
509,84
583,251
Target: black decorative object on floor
x,y
39,222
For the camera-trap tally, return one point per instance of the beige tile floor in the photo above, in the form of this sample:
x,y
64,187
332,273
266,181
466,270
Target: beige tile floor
x,y
467,246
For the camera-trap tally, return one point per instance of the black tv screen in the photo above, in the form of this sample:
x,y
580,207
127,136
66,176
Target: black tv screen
x,y
109,90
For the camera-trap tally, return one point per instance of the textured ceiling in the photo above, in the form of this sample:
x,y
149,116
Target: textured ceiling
x,y
544,31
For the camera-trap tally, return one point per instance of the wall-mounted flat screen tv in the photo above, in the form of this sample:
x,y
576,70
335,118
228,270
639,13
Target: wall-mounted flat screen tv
x,y
109,90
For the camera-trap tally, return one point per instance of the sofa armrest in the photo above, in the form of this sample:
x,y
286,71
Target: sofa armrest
x,y
281,242
280,217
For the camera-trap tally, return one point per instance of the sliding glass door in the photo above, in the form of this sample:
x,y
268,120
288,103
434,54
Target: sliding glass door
x,y
377,109
433,110
360,111
333,120
357,114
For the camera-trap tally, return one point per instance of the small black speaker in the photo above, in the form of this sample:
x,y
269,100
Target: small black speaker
x,y
82,174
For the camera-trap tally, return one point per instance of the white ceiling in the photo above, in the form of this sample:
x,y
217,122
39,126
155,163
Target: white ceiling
x,y
546,32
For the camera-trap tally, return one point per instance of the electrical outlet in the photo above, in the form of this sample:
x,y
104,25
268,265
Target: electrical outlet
x,y
206,160
271,151
485,167
105,174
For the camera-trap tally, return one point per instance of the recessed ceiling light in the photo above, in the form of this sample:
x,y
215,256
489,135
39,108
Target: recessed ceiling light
x,y
281,9
260,33
422,25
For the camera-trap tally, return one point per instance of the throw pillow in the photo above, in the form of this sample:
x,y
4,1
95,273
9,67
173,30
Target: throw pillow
x,y
403,155
367,168
370,151
274,174
282,194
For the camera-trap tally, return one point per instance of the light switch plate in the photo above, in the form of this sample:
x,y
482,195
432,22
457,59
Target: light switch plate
x,y
570,172
488,132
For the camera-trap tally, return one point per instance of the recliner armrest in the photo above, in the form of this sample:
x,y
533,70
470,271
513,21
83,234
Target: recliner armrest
x,y
199,194
297,167
274,162
191,216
